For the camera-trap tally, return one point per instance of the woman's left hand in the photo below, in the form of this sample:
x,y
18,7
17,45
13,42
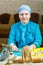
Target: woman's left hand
x,y
26,52
31,47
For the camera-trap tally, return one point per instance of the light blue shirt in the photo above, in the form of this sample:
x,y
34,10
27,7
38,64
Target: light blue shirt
x,y
23,35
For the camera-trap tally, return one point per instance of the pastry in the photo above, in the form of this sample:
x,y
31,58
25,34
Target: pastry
x,y
26,55
17,59
8,64
37,55
37,60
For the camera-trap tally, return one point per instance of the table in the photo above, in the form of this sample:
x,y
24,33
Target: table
x,y
4,62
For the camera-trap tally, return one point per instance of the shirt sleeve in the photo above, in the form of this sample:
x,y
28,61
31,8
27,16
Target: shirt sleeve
x,y
11,38
38,37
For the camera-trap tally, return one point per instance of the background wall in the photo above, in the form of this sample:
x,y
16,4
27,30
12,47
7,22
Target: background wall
x,y
11,6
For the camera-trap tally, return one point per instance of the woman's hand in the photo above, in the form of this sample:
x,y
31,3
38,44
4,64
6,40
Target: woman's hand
x,y
31,47
14,47
26,52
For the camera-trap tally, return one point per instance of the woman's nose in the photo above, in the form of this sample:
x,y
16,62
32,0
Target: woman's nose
x,y
24,15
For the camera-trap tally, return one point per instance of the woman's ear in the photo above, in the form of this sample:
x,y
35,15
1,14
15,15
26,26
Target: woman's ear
x,y
19,16
30,16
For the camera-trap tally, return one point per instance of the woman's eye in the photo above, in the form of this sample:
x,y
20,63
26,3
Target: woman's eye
x,y
26,14
21,14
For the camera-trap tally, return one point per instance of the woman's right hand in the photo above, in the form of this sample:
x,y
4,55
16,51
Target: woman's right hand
x,y
14,47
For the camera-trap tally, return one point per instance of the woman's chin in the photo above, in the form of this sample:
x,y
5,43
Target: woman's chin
x,y
25,21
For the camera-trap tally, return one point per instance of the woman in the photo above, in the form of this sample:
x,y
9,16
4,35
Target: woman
x,y
24,33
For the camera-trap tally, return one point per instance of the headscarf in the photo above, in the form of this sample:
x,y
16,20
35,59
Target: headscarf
x,y
24,7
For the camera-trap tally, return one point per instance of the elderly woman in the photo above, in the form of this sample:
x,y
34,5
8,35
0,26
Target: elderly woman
x,y
24,33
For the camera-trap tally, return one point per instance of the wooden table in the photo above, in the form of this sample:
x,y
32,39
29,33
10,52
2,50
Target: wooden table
x,y
4,62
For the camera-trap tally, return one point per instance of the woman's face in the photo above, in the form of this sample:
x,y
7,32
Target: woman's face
x,y
24,16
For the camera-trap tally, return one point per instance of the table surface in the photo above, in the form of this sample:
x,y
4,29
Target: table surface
x,y
19,54
4,62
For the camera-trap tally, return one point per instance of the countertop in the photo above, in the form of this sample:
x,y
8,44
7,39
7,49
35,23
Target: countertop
x,y
4,62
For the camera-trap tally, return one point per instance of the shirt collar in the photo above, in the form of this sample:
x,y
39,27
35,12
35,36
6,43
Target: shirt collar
x,y
24,26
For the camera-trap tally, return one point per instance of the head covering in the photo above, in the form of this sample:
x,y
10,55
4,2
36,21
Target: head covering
x,y
24,7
